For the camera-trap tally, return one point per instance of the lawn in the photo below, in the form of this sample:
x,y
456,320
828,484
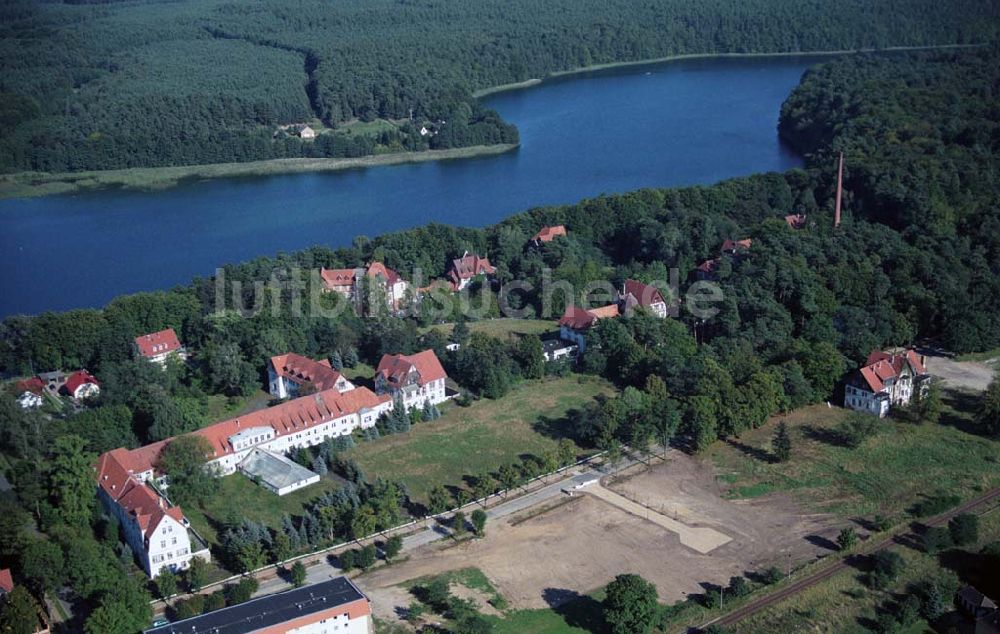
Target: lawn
x,y
844,604
473,440
236,497
886,474
505,327
221,407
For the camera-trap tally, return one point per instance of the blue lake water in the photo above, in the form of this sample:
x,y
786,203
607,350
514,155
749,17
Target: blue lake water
x,y
678,123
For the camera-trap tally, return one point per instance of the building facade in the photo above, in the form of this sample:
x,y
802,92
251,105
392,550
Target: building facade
x,y
382,280
636,293
885,381
288,374
414,379
157,347
576,322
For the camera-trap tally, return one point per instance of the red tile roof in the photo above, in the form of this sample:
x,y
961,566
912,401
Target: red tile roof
x,y
116,475
6,581
731,246
394,368
796,221
645,294
338,278
469,266
34,384
579,319
302,370
548,234
709,266
882,366
157,343
381,271
78,379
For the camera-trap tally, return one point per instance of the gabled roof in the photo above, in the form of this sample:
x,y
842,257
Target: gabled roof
x,y
645,294
469,266
381,271
35,385
973,597
302,370
338,277
6,580
157,343
116,471
548,234
394,368
579,319
882,366
731,246
78,379
796,221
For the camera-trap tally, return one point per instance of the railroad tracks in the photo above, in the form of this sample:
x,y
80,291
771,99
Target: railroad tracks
x,y
982,503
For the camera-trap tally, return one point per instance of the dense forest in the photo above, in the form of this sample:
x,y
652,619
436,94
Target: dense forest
x,y
915,257
137,84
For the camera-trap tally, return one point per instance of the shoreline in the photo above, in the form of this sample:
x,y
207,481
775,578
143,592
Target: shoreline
x,y
37,184
582,70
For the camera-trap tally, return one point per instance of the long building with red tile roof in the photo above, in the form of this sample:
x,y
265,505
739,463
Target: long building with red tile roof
x,y
415,379
288,374
886,380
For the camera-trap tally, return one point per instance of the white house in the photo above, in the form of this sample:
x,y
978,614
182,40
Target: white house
x,y
886,380
415,378
575,323
334,606
157,532
30,400
81,385
159,346
287,374
638,294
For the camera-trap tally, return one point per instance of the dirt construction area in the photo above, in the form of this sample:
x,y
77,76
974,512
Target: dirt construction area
x,y
969,375
542,558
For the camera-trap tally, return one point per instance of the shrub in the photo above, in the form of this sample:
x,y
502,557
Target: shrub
x,y
886,566
348,560
964,529
215,601
772,575
934,505
857,428
738,586
189,608
936,539
847,538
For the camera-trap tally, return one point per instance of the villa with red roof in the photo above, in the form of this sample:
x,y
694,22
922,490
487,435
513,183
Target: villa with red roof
x,y
347,281
575,322
548,234
157,532
81,385
415,379
466,268
288,374
159,346
636,293
886,380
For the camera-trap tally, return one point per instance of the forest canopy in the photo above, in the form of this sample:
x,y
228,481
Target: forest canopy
x,y
140,84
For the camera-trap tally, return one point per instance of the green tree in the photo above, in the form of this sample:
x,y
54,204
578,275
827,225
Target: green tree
x,y
19,612
363,523
366,557
251,556
964,529
929,405
630,606
438,500
936,539
197,574
988,416
281,548
847,538
458,523
857,428
183,462
42,563
567,452
474,624
298,574
886,566
111,617
71,477
479,522
166,584
392,547
782,443
530,357
229,370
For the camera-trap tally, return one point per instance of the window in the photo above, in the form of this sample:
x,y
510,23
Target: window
x,y
173,542
163,543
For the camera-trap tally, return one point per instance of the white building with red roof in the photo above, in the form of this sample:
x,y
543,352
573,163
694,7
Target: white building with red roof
x,y
156,531
636,293
159,346
886,380
347,282
81,385
415,379
468,267
576,321
288,374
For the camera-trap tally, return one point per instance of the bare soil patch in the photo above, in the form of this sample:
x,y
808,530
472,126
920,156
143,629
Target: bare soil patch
x,y
967,375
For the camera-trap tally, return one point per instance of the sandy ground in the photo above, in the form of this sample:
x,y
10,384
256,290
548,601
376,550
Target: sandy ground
x,y
583,543
969,375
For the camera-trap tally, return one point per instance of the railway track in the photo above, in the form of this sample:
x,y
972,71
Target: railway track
x,y
980,503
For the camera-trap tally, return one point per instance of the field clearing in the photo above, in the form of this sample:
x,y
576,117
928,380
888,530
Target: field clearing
x,y
473,440
844,604
886,474
504,327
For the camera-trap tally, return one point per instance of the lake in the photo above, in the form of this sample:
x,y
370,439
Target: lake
x,y
677,123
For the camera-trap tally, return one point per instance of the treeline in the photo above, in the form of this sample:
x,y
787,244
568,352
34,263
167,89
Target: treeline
x,y
132,85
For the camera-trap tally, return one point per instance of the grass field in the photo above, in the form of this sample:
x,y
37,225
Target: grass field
x,y
980,356
886,474
844,604
505,327
236,497
480,438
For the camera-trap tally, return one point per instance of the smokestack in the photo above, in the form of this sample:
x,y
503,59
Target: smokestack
x,y
840,191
